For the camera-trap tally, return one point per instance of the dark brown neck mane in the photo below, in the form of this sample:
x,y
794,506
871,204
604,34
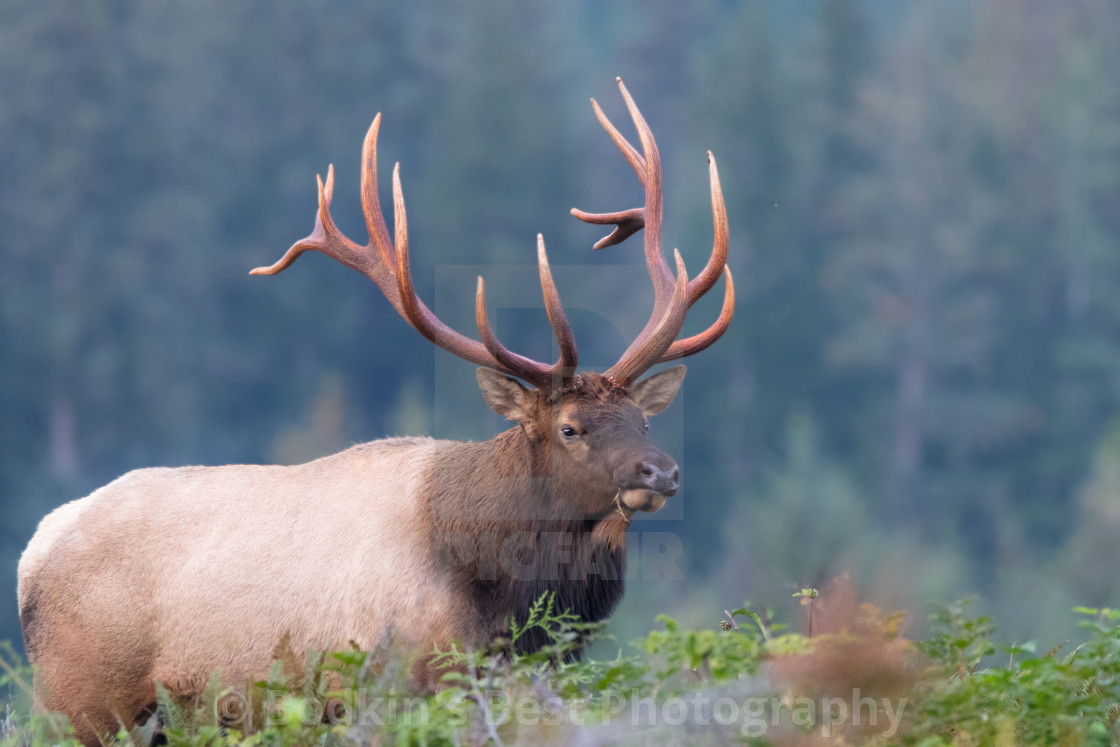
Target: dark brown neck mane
x,y
503,527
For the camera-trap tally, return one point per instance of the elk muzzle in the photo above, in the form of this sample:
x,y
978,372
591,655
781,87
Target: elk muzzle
x,y
646,482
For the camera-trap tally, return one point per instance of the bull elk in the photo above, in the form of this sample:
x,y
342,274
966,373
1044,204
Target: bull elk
x,y
391,534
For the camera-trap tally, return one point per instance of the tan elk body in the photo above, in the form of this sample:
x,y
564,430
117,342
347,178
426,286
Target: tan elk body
x,y
168,574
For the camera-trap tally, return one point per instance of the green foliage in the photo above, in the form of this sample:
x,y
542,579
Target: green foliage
x,y
712,655
19,724
1022,697
956,687
959,640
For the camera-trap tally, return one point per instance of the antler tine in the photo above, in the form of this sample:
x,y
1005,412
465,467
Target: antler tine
x,y
535,373
569,357
371,204
636,159
703,282
648,350
388,265
700,285
696,343
628,222
324,238
417,313
526,368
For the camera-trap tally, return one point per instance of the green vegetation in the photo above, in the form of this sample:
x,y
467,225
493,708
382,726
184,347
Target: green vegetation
x,y
857,680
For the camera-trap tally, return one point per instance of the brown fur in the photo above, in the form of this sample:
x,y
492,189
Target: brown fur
x,y
168,574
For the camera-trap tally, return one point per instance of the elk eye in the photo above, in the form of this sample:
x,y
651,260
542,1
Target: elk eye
x,y
646,426
568,431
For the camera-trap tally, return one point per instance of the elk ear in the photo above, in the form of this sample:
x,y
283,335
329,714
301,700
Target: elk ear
x,y
506,396
656,393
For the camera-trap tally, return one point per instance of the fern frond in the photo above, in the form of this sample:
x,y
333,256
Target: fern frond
x,y
170,711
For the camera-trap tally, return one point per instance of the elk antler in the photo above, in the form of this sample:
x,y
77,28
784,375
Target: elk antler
x,y
386,262
657,342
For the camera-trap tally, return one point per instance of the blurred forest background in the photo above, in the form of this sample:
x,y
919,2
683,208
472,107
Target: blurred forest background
x,y
922,382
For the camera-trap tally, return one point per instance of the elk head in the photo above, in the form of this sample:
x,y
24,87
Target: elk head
x,y
593,422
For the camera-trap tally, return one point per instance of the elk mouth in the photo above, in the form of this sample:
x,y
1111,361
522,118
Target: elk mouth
x,y
646,484
642,499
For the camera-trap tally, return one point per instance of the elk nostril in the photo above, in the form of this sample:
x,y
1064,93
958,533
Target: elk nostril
x,y
676,476
645,470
